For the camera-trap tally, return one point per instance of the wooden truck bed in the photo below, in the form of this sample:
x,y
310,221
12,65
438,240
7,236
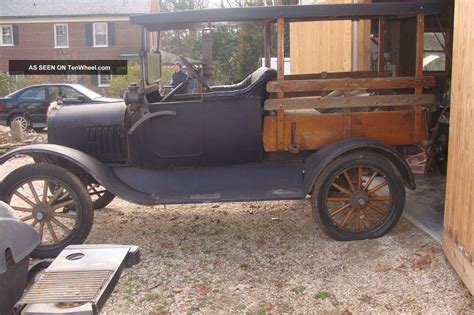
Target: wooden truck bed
x,y
297,120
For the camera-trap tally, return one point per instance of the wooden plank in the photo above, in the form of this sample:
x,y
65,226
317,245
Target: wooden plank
x,y
336,75
281,49
267,44
297,103
280,77
381,48
321,46
364,42
420,128
316,131
459,260
349,84
458,240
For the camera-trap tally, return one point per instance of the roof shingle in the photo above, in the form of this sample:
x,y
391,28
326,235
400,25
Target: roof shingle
x,y
60,8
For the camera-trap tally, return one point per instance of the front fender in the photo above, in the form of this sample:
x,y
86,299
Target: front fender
x,y
57,154
319,160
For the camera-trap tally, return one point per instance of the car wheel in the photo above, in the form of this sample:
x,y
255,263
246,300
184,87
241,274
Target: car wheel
x,y
62,216
100,196
358,196
22,119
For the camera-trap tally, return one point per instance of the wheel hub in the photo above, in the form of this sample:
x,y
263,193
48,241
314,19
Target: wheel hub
x,y
42,212
359,199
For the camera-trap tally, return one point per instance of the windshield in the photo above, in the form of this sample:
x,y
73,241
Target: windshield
x,y
89,93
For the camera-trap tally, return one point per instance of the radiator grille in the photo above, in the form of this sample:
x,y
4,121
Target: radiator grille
x,y
67,287
105,141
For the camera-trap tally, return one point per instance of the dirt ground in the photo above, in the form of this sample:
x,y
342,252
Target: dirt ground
x,y
269,257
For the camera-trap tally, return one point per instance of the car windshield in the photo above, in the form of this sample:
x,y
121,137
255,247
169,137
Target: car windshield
x,y
89,93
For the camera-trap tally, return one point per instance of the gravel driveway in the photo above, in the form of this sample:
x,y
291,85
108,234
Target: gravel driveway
x,y
258,257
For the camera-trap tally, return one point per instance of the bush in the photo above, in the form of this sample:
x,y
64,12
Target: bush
x,y
119,84
9,84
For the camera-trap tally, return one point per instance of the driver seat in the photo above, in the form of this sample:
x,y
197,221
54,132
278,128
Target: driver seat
x,y
253,85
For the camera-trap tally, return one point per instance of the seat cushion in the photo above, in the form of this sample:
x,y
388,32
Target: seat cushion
x,y
247,86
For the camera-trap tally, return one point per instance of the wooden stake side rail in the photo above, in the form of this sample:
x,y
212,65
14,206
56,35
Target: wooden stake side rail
x,y
337,75
316,131
298,103
350,84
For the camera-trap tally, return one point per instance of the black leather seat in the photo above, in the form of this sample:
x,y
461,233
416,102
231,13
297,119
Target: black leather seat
x,y
254,84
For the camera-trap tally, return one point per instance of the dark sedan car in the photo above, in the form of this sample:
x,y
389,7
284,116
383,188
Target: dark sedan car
x,y
30,105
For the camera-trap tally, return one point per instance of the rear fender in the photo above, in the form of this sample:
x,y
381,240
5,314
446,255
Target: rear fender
x,y
319,160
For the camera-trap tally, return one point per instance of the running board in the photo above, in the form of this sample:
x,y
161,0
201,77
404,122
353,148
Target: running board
x,y
245,182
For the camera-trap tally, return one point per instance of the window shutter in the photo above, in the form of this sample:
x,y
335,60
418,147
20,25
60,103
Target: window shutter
x,y
95,80
89,35
16,36
111,33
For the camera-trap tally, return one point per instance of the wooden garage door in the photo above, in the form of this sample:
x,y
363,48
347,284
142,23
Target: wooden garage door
x,y
458,238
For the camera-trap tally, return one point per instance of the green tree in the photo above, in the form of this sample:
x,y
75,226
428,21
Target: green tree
x,y
223,52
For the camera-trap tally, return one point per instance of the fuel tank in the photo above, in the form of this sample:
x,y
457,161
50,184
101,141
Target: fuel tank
x,y
96,129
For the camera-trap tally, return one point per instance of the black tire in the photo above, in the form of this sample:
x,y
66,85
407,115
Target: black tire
x,y
25,120
355,206
80,220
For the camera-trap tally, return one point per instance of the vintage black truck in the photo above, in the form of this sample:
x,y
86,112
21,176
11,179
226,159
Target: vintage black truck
x,y
269,137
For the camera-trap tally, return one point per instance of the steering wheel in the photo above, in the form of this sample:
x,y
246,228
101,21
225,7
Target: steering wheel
x,y
194,73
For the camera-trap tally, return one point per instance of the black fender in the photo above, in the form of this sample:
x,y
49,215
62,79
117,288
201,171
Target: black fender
x,y
318,161
77,161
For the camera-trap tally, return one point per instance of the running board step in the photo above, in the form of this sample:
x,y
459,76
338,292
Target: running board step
x,y
245,182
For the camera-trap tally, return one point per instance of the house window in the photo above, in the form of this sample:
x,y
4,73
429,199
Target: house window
x,y
104,79
61,36
100,35
434,56
7,35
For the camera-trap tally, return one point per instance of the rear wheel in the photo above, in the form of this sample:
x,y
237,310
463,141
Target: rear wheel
x,y
22,119
100,196
358,196
54,202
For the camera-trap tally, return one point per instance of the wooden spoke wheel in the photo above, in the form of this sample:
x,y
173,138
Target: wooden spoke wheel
x,y
100,196
54,202
358,196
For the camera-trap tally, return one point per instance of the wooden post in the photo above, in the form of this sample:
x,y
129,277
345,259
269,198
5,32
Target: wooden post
x,y
420,129
267,44
381,50
280,77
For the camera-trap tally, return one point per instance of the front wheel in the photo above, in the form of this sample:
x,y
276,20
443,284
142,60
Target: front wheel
x,y
358,196
54,202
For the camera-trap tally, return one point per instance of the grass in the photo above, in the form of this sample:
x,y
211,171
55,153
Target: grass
x,y
241,307
152,296
324,295
261,310
298,290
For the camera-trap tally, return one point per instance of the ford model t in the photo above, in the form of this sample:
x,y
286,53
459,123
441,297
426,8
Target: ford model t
x,y
269,137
